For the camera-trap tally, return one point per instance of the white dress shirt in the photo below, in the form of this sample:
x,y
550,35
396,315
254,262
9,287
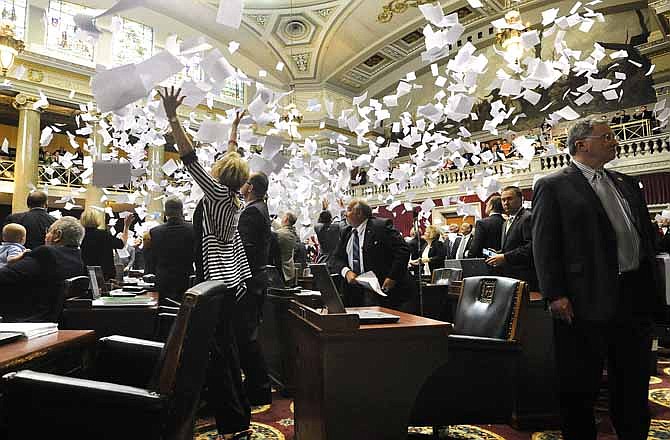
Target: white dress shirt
x,y
350,248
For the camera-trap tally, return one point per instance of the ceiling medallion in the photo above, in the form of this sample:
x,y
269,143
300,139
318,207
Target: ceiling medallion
x,y
398,7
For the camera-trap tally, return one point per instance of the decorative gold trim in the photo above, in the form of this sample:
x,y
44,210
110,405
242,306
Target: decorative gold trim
x,y
398,7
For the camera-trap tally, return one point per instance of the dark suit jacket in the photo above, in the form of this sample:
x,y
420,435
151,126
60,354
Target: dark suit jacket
x,y
664,242
574,244
36,221
386,254
30,288
457,242
172,246
437,254
488,232
254,227
97,249
518,250
328,235
414,249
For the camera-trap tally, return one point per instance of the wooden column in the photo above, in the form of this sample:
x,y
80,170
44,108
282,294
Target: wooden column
x,y
26,168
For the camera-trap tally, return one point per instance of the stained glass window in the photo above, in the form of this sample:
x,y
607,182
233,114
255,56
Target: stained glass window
x,y
132,43
14,12
62,31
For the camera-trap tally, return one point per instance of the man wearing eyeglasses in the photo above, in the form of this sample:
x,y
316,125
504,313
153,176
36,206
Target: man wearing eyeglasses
x,y
594,252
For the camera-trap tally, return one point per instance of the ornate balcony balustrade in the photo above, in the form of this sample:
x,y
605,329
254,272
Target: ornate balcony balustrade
x,y
635,155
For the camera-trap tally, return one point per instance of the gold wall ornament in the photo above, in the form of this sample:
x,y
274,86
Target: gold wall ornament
x,y
35,75
398,7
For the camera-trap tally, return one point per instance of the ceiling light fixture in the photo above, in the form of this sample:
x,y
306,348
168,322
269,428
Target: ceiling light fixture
x,y
10,46
509,38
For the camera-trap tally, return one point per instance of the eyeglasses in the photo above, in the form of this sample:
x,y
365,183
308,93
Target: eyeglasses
x,y
608,137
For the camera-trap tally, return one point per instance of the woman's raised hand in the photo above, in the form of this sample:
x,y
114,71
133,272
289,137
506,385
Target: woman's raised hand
x,y
171,100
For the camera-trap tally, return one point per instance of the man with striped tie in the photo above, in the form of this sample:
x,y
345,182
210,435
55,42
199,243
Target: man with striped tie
x,y
373,244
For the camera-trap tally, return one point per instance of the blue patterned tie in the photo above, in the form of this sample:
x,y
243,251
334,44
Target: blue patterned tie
x,y
356,251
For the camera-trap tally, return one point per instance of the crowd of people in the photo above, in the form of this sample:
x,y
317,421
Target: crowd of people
x,y
586,246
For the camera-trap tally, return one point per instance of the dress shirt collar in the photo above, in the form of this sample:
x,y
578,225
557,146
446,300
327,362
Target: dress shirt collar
x,y
361,228
586,170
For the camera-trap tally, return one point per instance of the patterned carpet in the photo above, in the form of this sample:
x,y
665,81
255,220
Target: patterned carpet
x,y
275,422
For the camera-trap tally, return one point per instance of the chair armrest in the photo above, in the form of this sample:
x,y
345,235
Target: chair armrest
x,y
88,391
128,361
169,302
168,309
164,323
476,343
89,409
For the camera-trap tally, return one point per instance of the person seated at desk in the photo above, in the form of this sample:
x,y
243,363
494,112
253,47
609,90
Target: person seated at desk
x,y
29,284
433,251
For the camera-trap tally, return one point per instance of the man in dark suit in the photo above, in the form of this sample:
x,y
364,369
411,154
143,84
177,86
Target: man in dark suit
x,y
488,231
254,227
593,245
461,247
327,232
36,220
172,246
515,259
664,232
372,244
30,285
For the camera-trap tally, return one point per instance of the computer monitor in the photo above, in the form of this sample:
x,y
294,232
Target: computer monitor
x,y
324,283
97,281
472,267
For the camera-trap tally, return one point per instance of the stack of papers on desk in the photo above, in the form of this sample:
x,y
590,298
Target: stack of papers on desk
x,y
122,301
29,329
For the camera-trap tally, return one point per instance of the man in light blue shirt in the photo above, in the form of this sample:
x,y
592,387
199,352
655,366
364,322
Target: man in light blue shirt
x,y
13,241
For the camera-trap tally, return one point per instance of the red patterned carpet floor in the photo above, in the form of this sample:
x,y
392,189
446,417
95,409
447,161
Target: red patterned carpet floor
x,y
275,422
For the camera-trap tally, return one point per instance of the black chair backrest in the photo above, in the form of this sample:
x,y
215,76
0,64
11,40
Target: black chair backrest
x,y
489,307
77,287
183,364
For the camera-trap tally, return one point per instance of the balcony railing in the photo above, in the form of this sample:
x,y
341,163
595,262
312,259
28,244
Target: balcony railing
x,y
639,150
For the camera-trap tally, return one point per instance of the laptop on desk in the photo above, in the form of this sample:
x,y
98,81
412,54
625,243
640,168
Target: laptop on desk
x,y
333,301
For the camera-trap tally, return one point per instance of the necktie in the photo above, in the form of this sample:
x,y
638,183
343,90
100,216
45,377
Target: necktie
x,y
461,247
356,251
628,251
506,226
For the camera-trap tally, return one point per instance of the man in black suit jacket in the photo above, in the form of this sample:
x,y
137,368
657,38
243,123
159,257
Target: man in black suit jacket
x,y
488,231
515,259
172,246
254,227
664,232
327,232
593,245
31,287
457,250
36,220
382,251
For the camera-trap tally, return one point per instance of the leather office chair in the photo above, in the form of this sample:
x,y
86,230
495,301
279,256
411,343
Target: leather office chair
x,y
77,287
478,381
142,389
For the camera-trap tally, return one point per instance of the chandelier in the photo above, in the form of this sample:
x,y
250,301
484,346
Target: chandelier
x,y
509,38
10,46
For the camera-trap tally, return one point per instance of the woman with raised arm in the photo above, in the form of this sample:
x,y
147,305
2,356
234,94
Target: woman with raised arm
x,y
223,258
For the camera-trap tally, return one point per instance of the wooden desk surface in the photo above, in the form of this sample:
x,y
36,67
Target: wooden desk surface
x,y
406,321
15,354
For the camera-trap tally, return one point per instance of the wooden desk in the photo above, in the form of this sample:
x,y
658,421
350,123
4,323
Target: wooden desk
x,y
60,353
306,282
361,384
273,337
136,322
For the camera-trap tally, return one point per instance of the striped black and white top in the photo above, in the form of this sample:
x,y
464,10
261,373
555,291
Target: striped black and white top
x,y
222,249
